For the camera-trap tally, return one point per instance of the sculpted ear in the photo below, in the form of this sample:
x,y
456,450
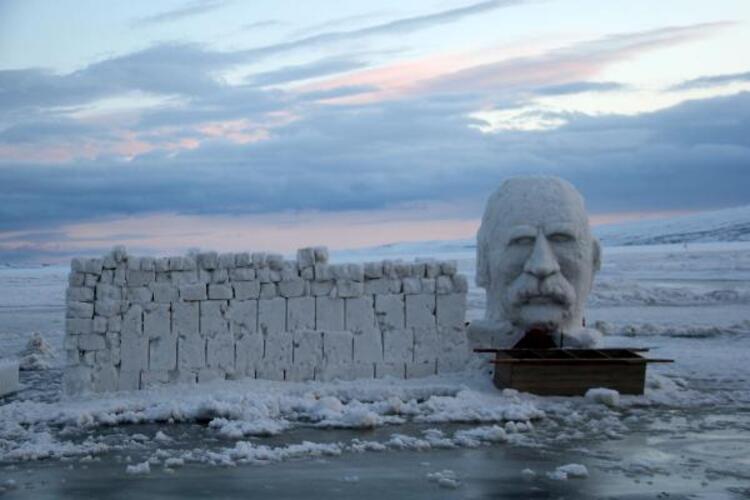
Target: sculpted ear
x,y
597,255
483,267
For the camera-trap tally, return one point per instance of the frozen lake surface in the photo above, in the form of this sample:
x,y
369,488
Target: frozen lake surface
x,y
441,437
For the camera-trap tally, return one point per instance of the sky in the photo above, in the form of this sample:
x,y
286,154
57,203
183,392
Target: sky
x,y
266,126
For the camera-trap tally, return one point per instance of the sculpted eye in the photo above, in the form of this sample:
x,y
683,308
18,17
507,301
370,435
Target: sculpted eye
x,y
560,237
522,240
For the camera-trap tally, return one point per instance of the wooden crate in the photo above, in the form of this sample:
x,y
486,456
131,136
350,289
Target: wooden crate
x,y
570,372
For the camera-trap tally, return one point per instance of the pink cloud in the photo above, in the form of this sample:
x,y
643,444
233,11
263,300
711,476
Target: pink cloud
x,y
514,68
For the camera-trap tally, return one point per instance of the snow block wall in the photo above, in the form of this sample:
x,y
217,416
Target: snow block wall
x,y
136,322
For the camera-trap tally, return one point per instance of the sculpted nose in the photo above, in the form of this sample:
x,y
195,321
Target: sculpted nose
x,y
542,261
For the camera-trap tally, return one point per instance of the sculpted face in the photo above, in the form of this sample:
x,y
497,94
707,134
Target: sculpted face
x,y
536,257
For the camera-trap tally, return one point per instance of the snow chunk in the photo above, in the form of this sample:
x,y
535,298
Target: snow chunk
x,y
445,479
474,437
604,396
528,474
247,452
565,472
162,437
37,355
139,469
582,338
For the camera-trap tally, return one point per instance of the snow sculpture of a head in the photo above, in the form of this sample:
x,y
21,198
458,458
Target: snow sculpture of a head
x,y
536,257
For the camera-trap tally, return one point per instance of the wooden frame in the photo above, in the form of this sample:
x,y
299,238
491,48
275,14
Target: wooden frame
x,y
570,372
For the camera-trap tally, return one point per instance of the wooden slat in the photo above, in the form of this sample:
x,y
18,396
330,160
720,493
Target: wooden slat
x,y
610,361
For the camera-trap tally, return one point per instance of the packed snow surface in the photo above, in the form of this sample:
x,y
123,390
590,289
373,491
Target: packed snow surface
x,y
731,224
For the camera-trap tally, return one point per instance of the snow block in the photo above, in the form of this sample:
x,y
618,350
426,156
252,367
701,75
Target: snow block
x,y
80,310
212,320
105,378
243,317
321,288
272,315
244,290
378,286
349,288
421,369
329,314
271,371
300,372
134,344
368,345
278,349
337,347
220,352
193,292
220,292
420,311
308,347
360,314
79,294
425,344
248,353
154,378
390,369
191,353
453,345
268,290
292,288
306,257
157,321
398,345
163,353
390,311
164,293
300,314
330,371
77,380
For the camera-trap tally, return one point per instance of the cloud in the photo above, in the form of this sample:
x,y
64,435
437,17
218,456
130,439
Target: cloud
x,y
712,81
568,69
36,132
321,67
166,69
423,151
569,64
268,23
398,26
194,101
182,69
579,88
335,23
337,92
190,9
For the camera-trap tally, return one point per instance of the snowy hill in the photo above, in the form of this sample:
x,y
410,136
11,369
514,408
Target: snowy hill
x,y
732,224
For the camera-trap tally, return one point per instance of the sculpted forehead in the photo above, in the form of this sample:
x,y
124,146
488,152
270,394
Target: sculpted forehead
x,y
536,201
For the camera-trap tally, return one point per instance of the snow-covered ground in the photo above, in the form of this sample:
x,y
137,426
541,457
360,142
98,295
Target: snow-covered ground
x,y
445,436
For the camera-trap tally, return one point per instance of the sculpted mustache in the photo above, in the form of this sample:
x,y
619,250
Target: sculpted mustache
x,y
555,288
